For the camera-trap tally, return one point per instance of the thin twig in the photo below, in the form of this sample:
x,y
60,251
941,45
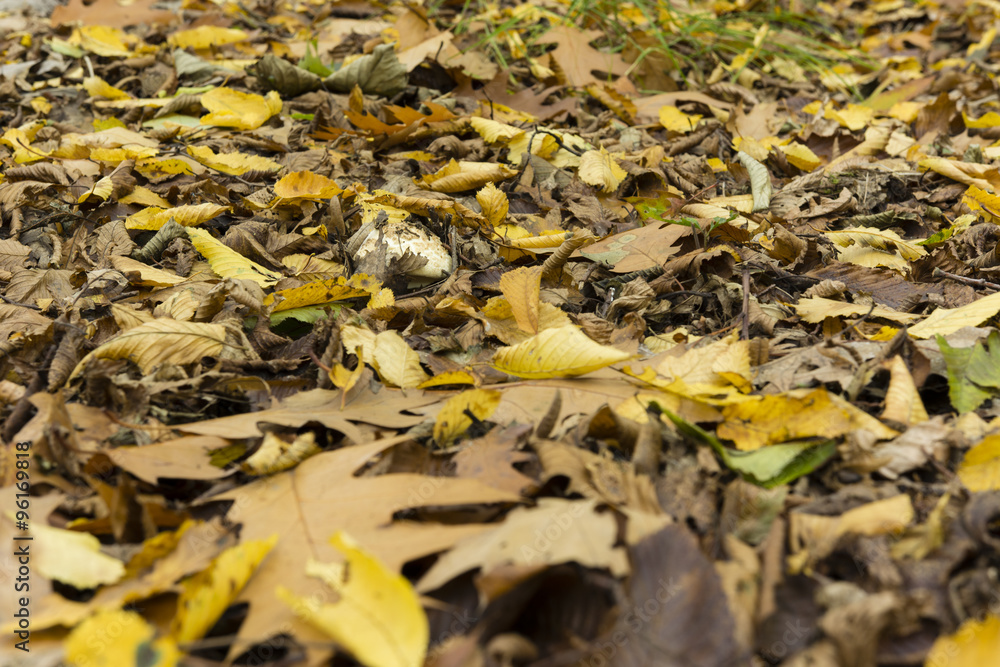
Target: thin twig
x,y
974,282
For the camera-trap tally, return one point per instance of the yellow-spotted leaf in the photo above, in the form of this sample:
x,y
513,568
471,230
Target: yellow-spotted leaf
x,y
72,558
944,321
461,176
599,169
558,352
228,263
453,420
980,469
494,204
234,164
396,362
114,637
369,594
305,185
207,594
521,287
162,341
153,217
318,293
239,110
206,36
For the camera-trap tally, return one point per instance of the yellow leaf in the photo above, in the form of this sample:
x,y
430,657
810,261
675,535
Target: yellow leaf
x,y
599,169
812,537
276,454
854,117
243,111
370,596
986,121
984,203
448,378
873,257
559,352
795,415
396,362
41,105
902,400
800,156
384,298
452,421
142,196
521,287
493,131
73,558
963,172
460,176
116,638
98,87
944,321
360,341
118,155
234,164
207,594
305,185
309,267
905,111
880,239
974,644
103,40
816,309
980,469
153,217
317,293
675,120
149,276
206,36
163,167
228,263
494,204
161,341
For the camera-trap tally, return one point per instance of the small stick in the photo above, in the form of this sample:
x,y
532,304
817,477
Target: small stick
x,y
974,282
746,303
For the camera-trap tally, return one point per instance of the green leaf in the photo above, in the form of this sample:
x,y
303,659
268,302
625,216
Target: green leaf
x,y
768,466
984,364
965,394
307,314
311,62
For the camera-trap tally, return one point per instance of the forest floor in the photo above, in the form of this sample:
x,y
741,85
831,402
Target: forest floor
x,y
476,334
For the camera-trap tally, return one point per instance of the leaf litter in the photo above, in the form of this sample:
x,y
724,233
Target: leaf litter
x,y
517,334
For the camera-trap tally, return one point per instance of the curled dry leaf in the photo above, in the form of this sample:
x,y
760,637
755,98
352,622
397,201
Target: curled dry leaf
x,y
164,341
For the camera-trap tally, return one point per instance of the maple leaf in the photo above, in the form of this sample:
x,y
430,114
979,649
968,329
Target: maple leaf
x,y
307,505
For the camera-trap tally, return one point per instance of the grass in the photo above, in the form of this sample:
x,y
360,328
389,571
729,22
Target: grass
x,y
652,35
